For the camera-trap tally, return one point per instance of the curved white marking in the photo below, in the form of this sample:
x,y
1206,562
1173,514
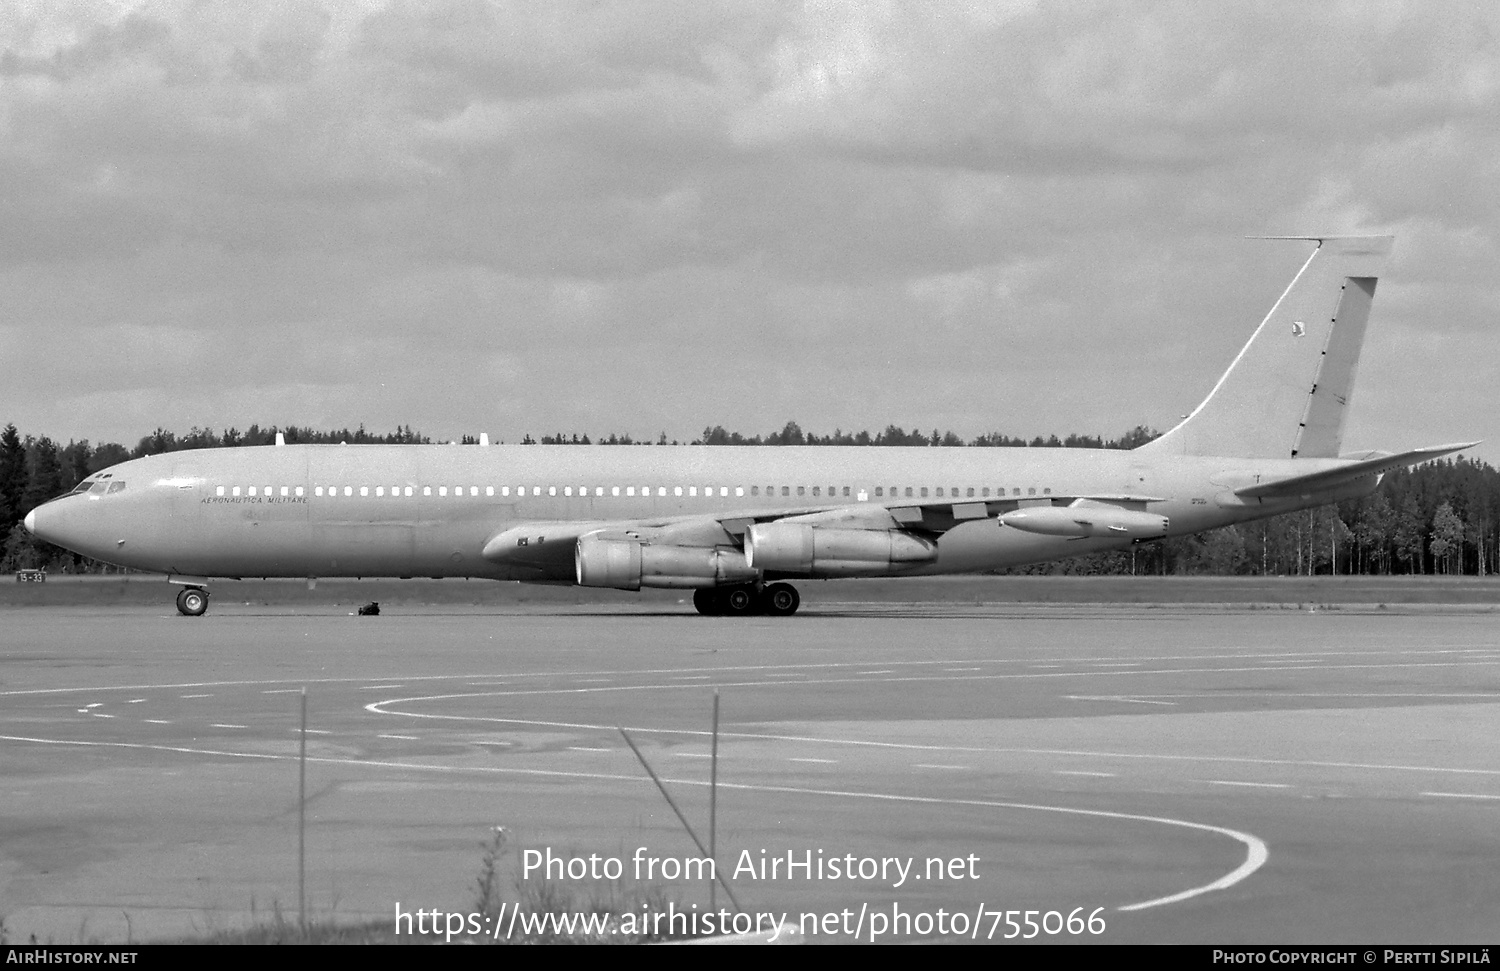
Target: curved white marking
x,y
377,707
747,667
1254,859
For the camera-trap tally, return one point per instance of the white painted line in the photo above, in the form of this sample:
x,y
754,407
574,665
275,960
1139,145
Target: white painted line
x,y
585,748
1459,795
83,711
1098,775
378,708
956,670
157,721
1120,698
94,705
281,691
100,714
830,666
312,731
195,696
1117,664
885,671
693,755
822,761
488,684
483,742
1253,785
223,725
1046,665
379,687
935,765
135,701
403,738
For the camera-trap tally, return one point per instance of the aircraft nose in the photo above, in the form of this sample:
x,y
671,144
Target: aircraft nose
x,y
30,522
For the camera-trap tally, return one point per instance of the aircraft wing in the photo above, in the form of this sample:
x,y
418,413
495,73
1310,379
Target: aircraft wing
x,y
1375,464
545,549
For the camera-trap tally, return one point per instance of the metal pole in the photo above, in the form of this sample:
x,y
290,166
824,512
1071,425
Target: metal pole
x,y
302,820
680,817
713,803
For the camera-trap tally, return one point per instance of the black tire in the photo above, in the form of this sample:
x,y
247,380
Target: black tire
x,y
738,601
780,600
192,601
706,599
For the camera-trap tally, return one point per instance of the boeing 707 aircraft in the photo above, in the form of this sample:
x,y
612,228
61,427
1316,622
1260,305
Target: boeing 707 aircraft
x,y
734,524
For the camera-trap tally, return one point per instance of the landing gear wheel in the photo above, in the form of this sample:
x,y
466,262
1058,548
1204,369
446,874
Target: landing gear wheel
x,y
780,600
737,601
706,599
192,601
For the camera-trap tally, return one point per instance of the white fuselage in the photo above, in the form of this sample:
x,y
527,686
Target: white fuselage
x,y
430,510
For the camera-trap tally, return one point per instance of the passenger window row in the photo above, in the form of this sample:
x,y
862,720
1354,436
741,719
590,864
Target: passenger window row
x,y
910,492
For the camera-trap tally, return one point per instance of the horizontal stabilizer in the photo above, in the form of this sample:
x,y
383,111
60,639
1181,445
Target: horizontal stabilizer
x,y
1329,478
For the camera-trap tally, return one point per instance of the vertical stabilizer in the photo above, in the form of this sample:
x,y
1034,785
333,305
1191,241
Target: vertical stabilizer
x,y
1287,393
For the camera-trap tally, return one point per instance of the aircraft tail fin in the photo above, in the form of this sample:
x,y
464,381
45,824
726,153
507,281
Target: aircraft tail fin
x,y
1287,393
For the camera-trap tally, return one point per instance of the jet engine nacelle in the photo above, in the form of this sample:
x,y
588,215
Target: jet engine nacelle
x,y
1087,521
823,551
627,565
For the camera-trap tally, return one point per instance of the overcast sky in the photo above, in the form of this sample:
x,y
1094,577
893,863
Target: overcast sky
x,y
654,216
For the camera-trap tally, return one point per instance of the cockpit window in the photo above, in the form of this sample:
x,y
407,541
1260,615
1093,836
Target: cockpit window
x,y
115,487
81,487
98,488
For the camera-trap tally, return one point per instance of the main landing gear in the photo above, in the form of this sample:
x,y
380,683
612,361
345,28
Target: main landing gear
x,y
774,599
192,601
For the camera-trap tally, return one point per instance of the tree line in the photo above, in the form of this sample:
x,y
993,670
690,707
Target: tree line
x,y
1439,518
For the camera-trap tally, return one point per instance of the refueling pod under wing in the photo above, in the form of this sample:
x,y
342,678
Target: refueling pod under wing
x,y
1082,520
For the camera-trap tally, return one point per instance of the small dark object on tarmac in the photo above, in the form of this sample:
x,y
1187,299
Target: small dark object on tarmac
x,y
371,609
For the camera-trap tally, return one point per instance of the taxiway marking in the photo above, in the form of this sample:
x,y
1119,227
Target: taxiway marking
x,y
830,666
1142,700
377,708
1255,785
1459,795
